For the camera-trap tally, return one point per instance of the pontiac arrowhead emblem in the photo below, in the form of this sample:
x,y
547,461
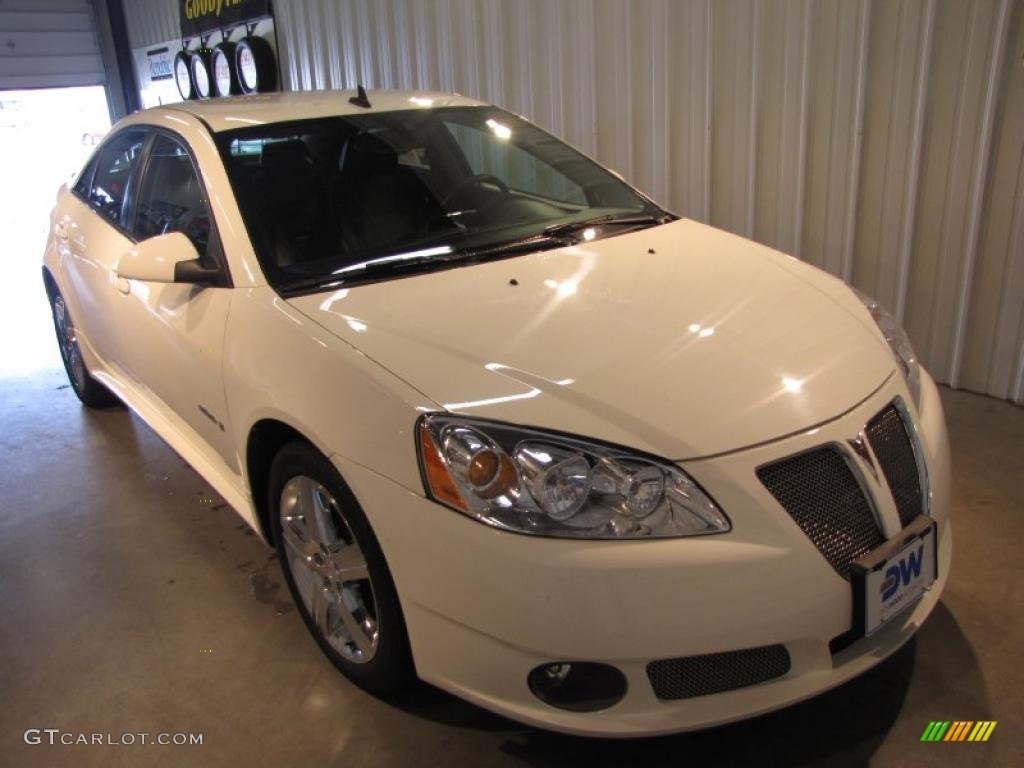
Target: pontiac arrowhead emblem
x,y
860,447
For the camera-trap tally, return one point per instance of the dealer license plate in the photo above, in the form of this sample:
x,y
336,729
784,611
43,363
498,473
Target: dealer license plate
x,y
896,575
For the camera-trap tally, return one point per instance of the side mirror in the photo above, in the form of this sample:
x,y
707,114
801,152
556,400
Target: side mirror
x,y
169,258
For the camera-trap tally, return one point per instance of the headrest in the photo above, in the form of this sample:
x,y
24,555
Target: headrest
x,y
289,171
174,178
367,155
286,161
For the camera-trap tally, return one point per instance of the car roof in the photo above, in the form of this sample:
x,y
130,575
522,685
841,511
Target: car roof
x,y
224,114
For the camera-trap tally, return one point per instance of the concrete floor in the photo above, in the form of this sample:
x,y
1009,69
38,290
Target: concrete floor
x,y
135,601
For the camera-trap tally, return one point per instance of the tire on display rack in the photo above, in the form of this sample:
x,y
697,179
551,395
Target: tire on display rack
x,y
183,75
202,73
225,72
255,65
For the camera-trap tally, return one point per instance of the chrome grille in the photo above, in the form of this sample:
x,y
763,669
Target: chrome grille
x,y
820,493
891,443
690,676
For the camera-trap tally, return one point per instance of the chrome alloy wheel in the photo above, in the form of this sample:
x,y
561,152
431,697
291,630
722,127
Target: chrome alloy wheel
x,y
329,569
68,342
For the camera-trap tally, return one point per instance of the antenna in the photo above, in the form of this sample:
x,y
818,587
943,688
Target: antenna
x,y
360,99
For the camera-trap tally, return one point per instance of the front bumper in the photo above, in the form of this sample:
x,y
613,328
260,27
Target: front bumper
x,y
484,607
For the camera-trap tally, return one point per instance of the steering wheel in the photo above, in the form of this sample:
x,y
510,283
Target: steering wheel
x,y
474,181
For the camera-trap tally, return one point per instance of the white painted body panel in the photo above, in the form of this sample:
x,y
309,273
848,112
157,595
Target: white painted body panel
x,y
175,351
793,361
88,258
239,111
708,344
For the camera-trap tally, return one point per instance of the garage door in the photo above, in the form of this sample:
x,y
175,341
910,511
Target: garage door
x,y
48,44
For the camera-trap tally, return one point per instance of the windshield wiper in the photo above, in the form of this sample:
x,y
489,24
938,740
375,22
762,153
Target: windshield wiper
x,y
623,220
419,261
441,257
374,268
524,245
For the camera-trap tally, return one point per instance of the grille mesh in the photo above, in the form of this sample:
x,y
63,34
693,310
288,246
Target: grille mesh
x,y
691,676
890,441
820,493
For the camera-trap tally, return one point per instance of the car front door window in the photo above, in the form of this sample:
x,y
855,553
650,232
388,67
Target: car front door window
x,y
113,174
171,198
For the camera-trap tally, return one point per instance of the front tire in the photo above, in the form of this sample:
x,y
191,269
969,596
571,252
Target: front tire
x,y
89,391
336,571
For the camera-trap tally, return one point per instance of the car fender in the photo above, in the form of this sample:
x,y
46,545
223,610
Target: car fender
x,y
297,368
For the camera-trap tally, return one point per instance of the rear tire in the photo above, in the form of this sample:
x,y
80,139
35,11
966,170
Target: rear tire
x,y
89,391
336,572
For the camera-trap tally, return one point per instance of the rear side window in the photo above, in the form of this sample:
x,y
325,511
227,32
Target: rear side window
x,y
113,171
171,199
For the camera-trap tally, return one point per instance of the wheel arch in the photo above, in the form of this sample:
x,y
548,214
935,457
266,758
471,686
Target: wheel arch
x,y
266,438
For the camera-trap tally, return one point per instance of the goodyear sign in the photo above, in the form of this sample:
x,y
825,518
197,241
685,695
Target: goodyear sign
x,y
201,16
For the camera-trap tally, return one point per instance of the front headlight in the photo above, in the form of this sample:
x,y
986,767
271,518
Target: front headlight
x,y
899,343
535,482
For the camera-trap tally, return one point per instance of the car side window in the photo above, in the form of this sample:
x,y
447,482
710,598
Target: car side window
x,y
113,172
84,182
171,199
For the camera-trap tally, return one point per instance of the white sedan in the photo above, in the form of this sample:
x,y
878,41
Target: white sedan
x,y
511,426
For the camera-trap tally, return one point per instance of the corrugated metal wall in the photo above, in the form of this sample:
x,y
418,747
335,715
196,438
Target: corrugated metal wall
x,y
151,21
48,44
882,140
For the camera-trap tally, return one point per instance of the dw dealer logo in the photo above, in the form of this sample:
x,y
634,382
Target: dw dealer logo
x,y
958,730
906,570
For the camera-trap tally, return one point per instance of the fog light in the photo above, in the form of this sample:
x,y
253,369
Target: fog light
x,y
578,686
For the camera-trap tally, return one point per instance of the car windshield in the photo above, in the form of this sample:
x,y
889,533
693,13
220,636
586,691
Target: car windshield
x,y
363,197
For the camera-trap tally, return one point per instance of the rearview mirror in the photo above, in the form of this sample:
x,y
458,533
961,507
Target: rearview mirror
x,y
170,258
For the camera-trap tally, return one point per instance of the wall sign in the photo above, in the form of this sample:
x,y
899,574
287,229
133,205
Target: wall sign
x,y
161,63
199,17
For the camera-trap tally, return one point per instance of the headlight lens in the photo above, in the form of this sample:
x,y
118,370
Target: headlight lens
x,y
534,482
899,343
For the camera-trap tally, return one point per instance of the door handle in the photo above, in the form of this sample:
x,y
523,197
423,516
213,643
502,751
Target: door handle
x,y
123,285
61,230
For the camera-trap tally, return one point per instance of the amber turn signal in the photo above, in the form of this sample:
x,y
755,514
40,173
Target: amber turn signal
x,y
439,481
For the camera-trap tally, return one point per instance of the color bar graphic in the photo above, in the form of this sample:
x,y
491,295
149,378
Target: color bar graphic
x,y
959,727
935,730
958,730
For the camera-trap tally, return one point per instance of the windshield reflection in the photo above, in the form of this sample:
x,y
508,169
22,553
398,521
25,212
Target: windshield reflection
x,y
328,200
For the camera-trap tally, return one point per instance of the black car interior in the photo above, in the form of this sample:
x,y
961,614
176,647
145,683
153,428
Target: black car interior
x,y
321,195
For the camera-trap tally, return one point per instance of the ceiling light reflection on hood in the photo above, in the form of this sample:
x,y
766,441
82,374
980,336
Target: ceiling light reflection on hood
x,y
792,385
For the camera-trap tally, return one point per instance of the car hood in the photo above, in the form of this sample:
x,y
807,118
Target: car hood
x,y
680,340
